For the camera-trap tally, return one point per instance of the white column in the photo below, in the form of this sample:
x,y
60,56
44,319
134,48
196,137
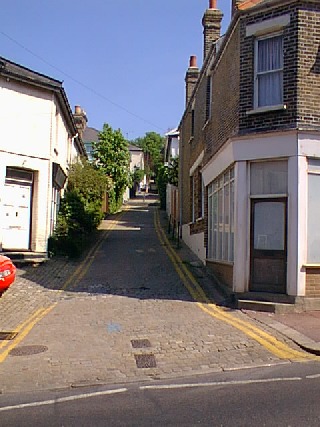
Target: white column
x,y
297,225
241,266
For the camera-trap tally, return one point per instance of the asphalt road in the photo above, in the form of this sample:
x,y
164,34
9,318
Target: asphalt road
x,y
286,395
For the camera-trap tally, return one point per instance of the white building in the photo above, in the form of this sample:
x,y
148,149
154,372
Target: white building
x,y
38,141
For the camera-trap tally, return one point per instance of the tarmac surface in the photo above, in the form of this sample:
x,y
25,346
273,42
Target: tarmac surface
x,y
135,307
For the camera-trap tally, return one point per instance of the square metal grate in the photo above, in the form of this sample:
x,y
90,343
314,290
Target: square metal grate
x,y
6,336
140,343
145,360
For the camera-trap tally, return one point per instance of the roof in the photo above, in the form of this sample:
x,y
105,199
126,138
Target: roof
x,y
134,148
90,135
249,3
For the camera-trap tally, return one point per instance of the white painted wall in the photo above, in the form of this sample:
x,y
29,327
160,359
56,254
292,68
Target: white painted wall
x,y
33,134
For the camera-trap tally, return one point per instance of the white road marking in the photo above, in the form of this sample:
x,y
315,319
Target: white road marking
x,y
313,376
62,399
218,383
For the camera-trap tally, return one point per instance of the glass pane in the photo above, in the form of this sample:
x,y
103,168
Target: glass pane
x,y
270,89
313,218
226,227
218,253
269,225
269,178
270,54
215,225
231,252
314,165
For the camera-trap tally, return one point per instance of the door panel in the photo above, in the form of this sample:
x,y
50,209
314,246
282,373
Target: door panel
x,y
16,216
268,245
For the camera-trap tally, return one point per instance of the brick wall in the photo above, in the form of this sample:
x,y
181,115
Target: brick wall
x,y
313,283
301,84
225,98
224,272
309,68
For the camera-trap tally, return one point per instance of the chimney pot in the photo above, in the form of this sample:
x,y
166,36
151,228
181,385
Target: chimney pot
x,y
77,109
193,61
212,4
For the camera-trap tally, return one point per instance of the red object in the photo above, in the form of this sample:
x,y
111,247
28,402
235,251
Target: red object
x,y
7,273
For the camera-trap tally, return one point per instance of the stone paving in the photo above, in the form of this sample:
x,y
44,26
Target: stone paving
x,y
128,306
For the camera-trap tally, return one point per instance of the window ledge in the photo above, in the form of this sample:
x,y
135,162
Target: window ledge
x,y
311,265
214,261
266,109
191,139
199,219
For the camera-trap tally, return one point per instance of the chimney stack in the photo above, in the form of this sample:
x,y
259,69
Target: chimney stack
x,y
191,78
211,22
80,119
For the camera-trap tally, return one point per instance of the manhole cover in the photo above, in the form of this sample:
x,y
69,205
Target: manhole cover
x,y
140,343
145,360
28,350
7,335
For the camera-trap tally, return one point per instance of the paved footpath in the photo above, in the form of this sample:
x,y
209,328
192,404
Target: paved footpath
x,y
125,313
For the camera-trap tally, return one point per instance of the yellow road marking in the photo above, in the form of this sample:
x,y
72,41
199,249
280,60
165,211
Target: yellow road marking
x,y
268,341
29,324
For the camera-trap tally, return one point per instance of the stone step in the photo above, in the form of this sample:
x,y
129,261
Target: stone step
x,y
266,306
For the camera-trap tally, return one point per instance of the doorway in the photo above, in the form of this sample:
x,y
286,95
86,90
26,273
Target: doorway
x,y
268,245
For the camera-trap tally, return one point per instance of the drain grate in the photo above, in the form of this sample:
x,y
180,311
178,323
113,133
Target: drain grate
x,y
140,343
28,350
145,360
4,336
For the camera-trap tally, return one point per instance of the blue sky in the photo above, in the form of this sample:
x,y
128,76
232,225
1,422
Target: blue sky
x,y
122,61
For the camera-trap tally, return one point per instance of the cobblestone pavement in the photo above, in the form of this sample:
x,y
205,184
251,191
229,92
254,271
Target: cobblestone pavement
x,y
122,315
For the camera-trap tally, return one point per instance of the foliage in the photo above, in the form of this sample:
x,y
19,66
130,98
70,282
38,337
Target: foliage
x,y
152,145
173,171
111,154
80,209
137,175
162,180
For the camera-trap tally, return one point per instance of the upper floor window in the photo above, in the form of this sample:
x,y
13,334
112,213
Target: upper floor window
x,y
269,71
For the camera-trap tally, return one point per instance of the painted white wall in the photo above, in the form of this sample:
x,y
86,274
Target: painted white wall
x,y
33,134
195,242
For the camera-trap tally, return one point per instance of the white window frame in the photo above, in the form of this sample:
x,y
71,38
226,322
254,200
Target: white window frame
x,y
268,72
216,244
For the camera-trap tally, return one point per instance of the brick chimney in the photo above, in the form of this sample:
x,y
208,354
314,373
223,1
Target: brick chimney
x,y
80,119
192,76
211,22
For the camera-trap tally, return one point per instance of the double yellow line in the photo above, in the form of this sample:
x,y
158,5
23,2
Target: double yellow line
x,y
27,325
268,341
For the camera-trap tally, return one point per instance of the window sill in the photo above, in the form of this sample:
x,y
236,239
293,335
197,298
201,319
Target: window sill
x,y
191,139
206,124
266,109
214,261
311,265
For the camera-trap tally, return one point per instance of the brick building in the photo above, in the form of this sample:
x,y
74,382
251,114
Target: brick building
x,y
250,149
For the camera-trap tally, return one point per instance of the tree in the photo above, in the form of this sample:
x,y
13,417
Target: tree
x,y
152,145
112,156
80,209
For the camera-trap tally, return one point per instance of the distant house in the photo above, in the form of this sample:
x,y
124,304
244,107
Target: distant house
x,y
171,152
39,140
90,135
171,149
250,150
